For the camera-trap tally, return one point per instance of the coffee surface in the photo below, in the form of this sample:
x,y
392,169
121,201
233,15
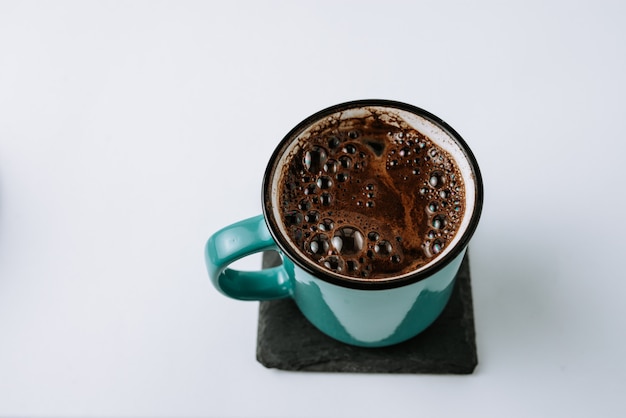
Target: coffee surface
x,y
370,197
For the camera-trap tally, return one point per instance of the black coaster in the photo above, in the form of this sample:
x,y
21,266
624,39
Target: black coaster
x,y
288,341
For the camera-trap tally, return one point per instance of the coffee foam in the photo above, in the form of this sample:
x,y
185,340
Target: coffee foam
x,y
372,193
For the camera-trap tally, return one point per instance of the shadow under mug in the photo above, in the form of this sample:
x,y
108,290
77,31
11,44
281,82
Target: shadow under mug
x,y
367,313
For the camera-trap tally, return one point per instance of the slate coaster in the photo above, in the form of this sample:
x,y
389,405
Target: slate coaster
x,y
288,341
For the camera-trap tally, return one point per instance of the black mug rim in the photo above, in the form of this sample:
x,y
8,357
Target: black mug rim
x,y
373,284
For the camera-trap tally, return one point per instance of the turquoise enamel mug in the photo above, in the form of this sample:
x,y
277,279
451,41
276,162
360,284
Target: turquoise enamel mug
x,y
371,205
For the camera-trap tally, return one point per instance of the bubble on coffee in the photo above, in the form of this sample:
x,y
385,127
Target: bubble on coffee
x,y
348,240
370,197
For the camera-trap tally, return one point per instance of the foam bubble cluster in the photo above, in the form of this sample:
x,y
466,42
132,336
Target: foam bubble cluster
x,y
365,198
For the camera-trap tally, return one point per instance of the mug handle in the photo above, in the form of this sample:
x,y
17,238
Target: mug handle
x,y
235,242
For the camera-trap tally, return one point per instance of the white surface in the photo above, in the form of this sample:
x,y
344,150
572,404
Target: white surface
x,y
131,131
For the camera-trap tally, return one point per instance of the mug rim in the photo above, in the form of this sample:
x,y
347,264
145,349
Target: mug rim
x,y
372,284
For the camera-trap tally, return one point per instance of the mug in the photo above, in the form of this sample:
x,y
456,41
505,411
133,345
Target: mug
x,y
359,311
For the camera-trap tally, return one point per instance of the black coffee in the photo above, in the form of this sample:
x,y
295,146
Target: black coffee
x,y
370,197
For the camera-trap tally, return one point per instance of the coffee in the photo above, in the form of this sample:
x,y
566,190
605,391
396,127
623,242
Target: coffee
x,y
366,195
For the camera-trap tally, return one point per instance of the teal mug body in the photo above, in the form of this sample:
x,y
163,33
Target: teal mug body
x,y
368,313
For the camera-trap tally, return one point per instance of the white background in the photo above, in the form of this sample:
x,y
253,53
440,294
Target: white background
x,y
129,132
